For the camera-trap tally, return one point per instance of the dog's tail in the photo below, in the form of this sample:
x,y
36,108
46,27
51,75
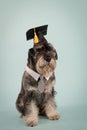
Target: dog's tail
x,y
19,103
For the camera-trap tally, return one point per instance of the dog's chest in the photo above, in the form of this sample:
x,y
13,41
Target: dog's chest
x,y
45,85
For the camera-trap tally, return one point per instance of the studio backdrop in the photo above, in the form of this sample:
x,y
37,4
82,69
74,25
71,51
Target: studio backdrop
x,y
67,31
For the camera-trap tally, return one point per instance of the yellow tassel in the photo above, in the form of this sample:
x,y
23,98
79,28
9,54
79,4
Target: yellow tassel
x,y
36,39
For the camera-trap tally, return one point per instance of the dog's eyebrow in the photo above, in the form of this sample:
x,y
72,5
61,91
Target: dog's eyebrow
x,y
39,47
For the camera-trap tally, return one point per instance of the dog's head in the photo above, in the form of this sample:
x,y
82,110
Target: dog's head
x,y
42,58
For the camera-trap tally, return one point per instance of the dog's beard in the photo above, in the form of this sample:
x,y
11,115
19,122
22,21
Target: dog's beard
x,y
45,68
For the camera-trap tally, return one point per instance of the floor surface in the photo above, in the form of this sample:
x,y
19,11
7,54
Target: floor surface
x,y
72,118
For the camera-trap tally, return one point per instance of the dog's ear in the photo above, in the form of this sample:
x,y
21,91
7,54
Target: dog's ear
x,y
31,54
56,56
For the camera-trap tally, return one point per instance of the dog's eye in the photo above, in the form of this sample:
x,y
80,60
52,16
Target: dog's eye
x,y
39,49
43,48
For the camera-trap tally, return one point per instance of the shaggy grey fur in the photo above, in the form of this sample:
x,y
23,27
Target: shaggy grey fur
x,y
41,59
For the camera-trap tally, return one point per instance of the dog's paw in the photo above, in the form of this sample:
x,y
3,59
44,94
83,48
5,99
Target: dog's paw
x,y
32,123
55,116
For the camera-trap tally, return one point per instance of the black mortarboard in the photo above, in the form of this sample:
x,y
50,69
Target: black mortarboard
x,y
34,33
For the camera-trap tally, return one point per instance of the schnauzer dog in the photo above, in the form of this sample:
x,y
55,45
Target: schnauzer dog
x,y
37,89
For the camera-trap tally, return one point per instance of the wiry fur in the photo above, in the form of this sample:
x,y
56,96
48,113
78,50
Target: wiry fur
x,y
31,102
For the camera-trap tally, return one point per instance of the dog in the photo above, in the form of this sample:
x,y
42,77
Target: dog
x,y
36,96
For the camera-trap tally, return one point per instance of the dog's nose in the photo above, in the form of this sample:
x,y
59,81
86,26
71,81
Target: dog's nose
x,y
48,58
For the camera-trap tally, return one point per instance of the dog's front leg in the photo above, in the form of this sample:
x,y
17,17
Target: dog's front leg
x,y
31,113
50,110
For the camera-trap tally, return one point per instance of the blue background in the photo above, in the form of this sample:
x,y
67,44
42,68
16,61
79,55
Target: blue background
x,y
67,31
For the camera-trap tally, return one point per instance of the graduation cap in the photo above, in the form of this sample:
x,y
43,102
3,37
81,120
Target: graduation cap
x,y
37,33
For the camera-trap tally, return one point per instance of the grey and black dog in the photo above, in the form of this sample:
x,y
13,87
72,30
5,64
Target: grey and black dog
x,y
33,100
